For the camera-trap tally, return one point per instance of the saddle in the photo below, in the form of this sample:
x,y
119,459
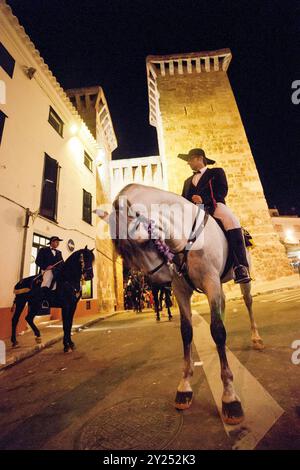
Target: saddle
x,y
182,263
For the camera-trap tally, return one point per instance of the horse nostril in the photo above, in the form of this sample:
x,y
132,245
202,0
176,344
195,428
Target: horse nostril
x,y
137,225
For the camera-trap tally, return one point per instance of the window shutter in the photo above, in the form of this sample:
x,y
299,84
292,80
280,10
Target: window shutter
x,y
87,207
7,62
49,189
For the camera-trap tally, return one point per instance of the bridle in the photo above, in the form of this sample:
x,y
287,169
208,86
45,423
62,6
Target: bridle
x,y
84,270
168,255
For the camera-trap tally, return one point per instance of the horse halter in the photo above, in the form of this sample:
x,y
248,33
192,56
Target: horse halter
x,y
168,256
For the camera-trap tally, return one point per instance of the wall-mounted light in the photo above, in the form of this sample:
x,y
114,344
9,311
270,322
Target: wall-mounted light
x,y
290,236
74,129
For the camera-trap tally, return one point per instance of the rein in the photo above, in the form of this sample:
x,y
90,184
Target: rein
x,y
83,271
168,256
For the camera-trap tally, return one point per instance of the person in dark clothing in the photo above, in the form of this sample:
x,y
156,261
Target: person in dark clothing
x,y
46,258
209,186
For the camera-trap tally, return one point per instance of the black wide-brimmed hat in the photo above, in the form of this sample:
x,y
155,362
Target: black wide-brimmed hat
x,y
54,239
196,153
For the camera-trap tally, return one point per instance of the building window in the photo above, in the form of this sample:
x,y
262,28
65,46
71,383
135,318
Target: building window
x,y
88,161
2,121
38,242
56,121
6,61
48,207
87,207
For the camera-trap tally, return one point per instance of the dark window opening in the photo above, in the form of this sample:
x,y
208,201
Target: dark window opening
x,y
7,62
73,100
39,241
2,121
88,161
49,198
82,101
56,121
87,207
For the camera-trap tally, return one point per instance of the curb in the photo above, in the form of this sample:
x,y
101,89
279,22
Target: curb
x,y
39,347
255,294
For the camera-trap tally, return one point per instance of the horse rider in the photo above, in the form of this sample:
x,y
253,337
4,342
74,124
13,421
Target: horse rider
x,y
209,186
46,258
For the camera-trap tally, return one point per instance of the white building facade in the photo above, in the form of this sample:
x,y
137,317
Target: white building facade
x,y
144,170
47,165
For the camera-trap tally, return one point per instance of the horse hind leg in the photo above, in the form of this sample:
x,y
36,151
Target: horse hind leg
x,y
257,341
19,305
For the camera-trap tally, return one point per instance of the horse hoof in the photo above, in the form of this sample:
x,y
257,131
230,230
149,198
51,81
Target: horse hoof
x,y
67,349
258,344
72,346
170,318
232,413
38,339
14,344
183,400
157,319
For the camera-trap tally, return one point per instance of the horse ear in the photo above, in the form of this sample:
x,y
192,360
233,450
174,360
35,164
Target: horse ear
x,y
92,250
85,247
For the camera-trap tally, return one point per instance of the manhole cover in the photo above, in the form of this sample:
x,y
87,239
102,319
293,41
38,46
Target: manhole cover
x,y
139,423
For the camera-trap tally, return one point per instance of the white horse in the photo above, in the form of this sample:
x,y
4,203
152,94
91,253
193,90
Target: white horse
x,y
150,237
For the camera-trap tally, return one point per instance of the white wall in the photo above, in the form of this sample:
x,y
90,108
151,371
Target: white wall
x,y
26,138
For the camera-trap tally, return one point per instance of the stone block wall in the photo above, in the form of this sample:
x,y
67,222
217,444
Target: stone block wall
x,y
199,110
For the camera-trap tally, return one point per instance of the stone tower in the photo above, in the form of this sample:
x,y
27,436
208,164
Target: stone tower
x,y
191,104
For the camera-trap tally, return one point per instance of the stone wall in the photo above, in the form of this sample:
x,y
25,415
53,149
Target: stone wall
x,y
199,110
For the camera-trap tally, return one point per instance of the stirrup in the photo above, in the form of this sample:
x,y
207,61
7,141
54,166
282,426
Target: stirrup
x,y
45,304
241,274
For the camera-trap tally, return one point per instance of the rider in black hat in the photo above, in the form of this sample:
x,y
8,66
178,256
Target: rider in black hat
x,y
209,186
46,258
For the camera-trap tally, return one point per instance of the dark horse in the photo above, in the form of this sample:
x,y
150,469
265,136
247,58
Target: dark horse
x,y
78,267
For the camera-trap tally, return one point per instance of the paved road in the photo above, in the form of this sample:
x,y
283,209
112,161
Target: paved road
x,y
124,374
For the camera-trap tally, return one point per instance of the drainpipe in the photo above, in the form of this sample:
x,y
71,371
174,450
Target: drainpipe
x,y
26,227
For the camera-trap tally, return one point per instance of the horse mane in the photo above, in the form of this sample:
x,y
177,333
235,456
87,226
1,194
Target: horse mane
x,y
72,262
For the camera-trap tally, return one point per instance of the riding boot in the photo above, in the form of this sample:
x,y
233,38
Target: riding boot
x,y
241,266
44,296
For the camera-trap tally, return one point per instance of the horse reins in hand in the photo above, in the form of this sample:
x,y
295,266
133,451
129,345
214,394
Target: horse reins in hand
x,y
53,266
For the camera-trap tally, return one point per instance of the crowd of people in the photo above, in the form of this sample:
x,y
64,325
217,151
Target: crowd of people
x,y
139,295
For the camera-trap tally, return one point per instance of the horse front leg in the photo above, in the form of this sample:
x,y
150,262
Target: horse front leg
x,y
72,313
257,341
232,411
32,311
66,327
184,395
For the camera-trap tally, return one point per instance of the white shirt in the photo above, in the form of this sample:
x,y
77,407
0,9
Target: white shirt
x,y
197,176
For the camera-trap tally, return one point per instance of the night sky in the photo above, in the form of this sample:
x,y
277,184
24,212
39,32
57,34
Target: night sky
x,y
105,42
